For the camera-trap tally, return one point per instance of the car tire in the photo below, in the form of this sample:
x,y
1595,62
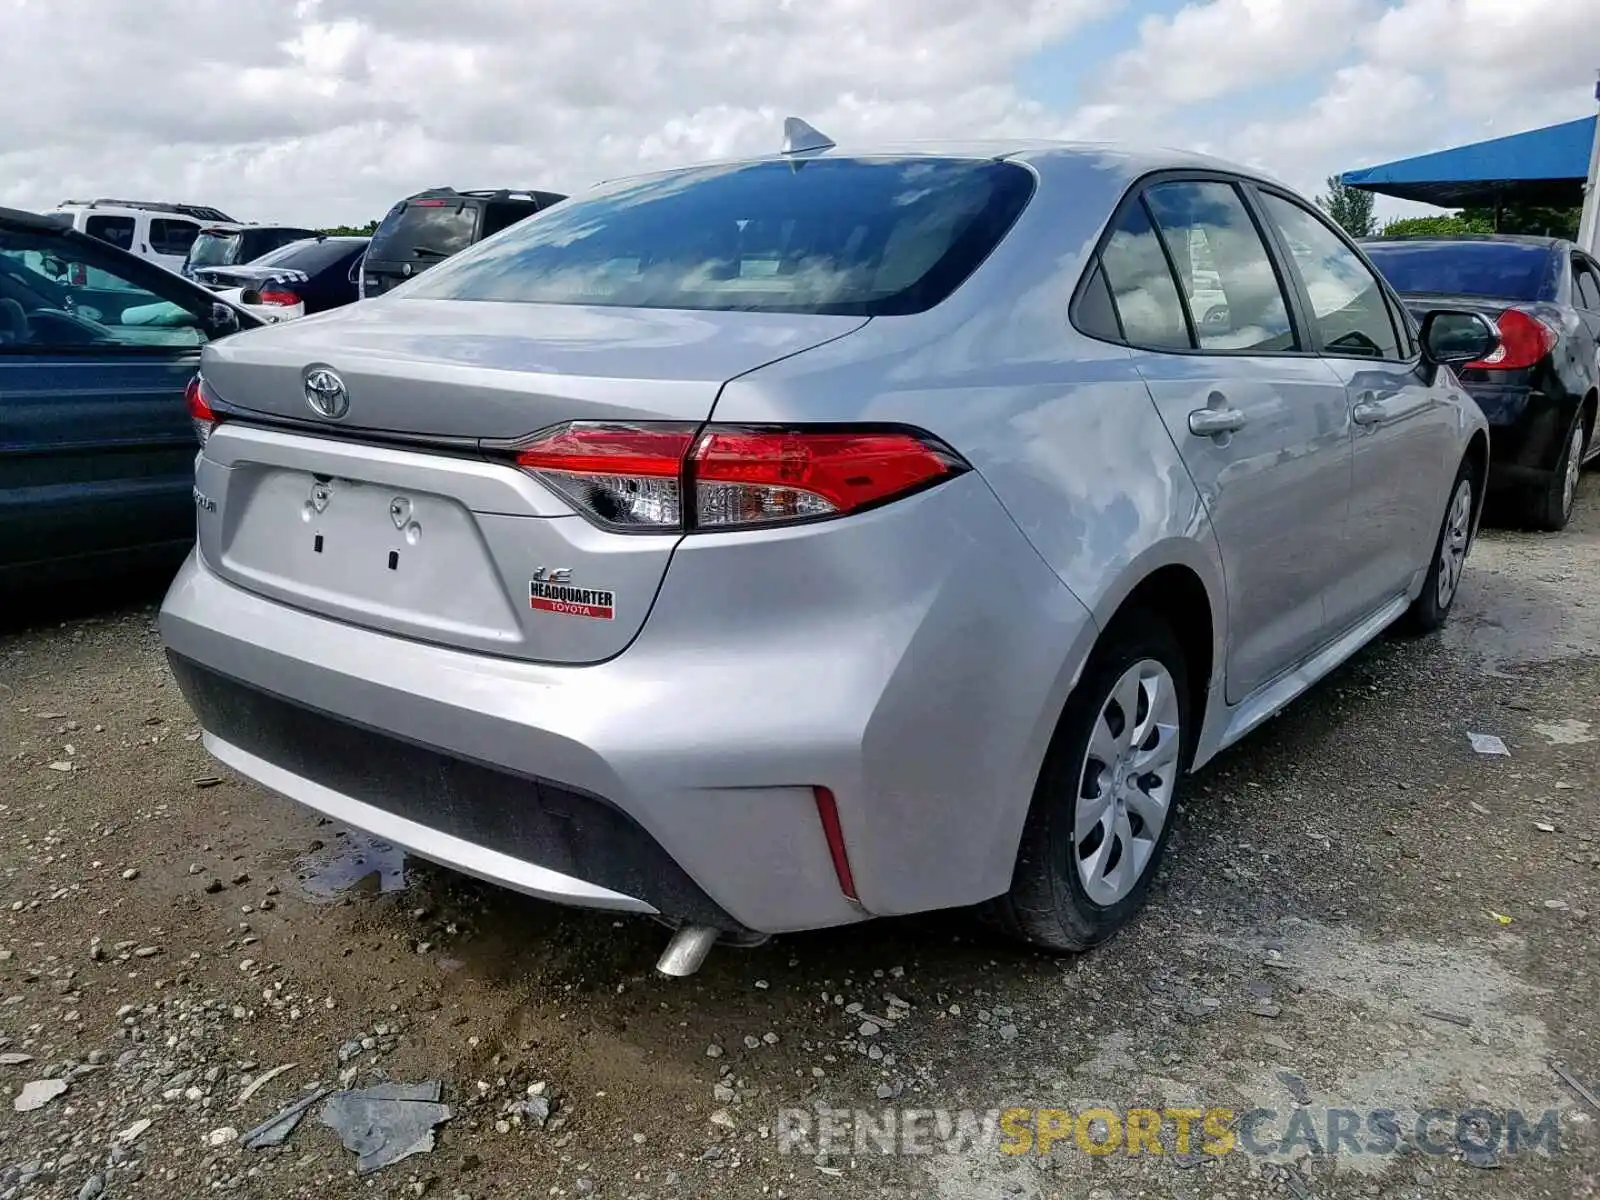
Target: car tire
x,y
1442,583
1055,902
1550,507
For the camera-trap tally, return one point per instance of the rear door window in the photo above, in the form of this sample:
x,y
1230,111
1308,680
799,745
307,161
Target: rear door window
x,y
842,236
169,236
1142,288
1226,273
502,214
118,231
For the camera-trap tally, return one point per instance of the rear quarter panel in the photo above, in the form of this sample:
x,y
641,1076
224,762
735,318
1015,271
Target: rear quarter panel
x,y
1061,429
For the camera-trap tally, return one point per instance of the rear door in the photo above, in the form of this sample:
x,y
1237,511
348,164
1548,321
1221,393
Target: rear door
x,y
96,448
1586,299
1260,422
1407,441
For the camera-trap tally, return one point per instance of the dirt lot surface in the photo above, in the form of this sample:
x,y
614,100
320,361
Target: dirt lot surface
x,y
1359,913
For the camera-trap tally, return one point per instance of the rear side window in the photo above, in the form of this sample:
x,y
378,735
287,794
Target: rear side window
x,y
502,214
1347,301
116,230
425,231
1224,270
847,236
1142,287
1500,270
172,237
1585,284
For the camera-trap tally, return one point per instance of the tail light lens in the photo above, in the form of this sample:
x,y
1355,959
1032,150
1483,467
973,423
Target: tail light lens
x,y
1524,340
656,478
198,398
278,298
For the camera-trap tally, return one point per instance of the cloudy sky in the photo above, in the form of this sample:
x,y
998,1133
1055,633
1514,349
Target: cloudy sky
x,y
327,111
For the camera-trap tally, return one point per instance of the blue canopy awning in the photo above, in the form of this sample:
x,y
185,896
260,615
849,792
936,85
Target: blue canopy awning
x,y
1542,166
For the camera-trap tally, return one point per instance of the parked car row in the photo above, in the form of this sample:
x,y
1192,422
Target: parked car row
x,y
792,540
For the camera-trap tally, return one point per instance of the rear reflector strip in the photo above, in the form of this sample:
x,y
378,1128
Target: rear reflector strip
x,y
828,813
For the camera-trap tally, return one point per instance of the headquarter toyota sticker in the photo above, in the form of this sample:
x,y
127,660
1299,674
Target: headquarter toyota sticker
x,y
571,601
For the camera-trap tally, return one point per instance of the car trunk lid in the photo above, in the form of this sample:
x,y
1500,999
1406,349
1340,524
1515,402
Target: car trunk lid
x,y
396,516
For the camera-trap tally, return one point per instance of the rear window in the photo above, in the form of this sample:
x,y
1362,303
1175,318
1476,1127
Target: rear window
x,y
425,230
860,237
214,249
1502,270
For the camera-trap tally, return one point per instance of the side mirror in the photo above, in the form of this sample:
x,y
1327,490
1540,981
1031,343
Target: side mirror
x,y
1451,337
223,320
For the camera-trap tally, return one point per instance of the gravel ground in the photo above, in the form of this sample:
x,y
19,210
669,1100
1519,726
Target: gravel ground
x,y
1358,912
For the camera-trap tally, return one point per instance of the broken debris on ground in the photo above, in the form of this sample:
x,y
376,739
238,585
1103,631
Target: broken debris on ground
x,y
386,1122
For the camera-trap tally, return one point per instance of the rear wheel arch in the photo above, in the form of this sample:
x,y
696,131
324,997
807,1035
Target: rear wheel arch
x,y
1177,596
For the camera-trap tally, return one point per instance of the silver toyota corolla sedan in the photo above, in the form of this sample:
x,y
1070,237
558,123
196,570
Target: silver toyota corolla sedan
x,y
790,541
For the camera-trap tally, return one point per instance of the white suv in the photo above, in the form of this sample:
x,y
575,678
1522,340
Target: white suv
x,y
159,232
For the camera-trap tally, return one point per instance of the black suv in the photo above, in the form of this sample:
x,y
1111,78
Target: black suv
x,y
429,227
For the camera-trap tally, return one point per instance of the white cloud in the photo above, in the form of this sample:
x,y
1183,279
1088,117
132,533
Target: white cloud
x,y
329,110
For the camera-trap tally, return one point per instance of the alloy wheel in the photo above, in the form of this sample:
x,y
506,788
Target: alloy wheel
x,y
1125,788
1453,543
1569,485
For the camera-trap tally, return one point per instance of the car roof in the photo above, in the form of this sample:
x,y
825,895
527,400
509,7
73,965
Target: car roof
x,y
1127,160
1508,239
18,218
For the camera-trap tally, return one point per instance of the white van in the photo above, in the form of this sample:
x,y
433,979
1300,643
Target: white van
x,y
159,232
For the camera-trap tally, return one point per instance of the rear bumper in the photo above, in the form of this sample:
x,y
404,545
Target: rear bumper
x,y
1527,431
921,687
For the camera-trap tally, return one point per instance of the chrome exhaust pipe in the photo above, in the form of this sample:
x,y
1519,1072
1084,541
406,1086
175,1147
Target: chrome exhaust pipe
x,y
687,950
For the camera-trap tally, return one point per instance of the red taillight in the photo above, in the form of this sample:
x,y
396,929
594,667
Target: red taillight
x,y
752,476
833,832
1524,340
624,476
664,477
278,297
78,275
429,203
198,397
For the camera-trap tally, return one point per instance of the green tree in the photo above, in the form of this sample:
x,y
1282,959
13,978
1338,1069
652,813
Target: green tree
x,y
1450,225
366,230
1530,218
1350,207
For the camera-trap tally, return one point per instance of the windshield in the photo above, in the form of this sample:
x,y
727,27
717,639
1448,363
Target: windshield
x,y
424,229
1503,270
862,237
214,249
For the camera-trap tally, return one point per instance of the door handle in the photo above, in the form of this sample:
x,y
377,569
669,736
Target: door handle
x,y
1217,420
1368,410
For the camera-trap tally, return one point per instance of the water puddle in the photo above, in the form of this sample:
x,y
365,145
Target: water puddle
x,y
352,864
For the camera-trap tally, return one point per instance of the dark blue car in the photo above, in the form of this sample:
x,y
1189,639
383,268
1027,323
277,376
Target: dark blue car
x,y
96,444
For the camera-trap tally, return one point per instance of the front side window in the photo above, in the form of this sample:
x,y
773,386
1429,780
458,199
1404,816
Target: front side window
x,y
59,296
843,236
1226,274
1142,288
1347,301
172,237
118,231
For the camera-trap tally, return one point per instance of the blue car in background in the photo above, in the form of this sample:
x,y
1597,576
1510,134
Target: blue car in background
x,y
96,444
